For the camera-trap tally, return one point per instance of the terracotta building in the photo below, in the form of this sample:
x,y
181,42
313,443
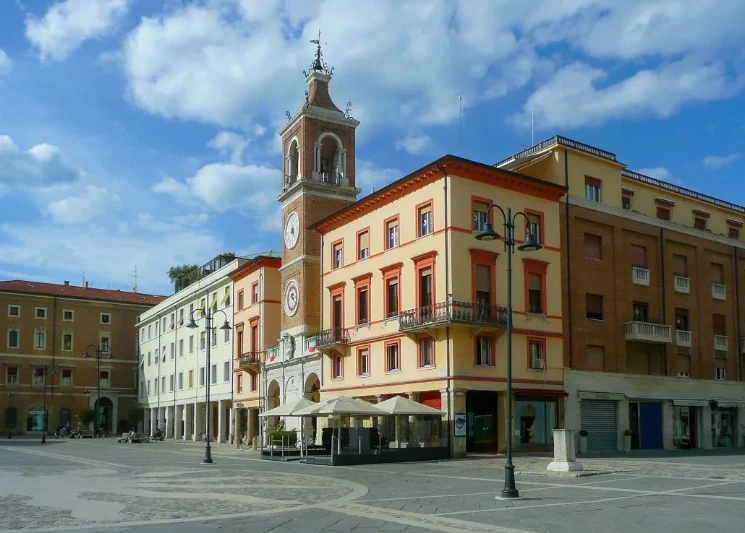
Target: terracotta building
x,y
50,336
653,303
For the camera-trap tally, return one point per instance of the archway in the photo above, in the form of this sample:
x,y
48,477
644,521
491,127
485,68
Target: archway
x,y
36,418
312,392
272,401
104,408
330,158
292,169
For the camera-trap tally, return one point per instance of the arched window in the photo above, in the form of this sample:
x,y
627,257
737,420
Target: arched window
x,y
35,419
292,163
330,159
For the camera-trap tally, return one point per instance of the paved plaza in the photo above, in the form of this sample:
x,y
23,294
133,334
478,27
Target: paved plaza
x,y
99,485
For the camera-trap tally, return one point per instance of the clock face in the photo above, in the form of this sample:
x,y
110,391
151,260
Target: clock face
x,y
292,297
292,230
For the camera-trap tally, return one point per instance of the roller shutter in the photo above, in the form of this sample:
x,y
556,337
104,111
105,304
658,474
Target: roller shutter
x,y
599,418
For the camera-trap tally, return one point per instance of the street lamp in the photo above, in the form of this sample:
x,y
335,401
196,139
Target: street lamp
x,y
531,244
99,353
8,415
208,316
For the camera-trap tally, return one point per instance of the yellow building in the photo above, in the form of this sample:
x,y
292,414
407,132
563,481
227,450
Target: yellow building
x,y
412,303
256,317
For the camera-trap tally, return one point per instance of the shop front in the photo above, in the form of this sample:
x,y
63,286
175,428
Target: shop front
x,y
536,416
645,422
724,425
482,421
687,422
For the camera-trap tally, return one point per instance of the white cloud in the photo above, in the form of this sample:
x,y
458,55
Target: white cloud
x,y
40,166
659,173
66,25
414,144
370,177
230,143
6,64
225,186
574,96
716,162
91,203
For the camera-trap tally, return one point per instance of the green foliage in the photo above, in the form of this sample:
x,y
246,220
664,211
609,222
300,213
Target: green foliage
x,y
135,413
184,275
87,416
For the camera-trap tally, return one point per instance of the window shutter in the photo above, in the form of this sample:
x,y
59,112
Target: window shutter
x,y
594,304
717,273
639,256
718,324
680,265
534,282
593,246
483,273
364,240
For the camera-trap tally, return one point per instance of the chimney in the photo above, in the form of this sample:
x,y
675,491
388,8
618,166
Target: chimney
x,y
86,284
67,283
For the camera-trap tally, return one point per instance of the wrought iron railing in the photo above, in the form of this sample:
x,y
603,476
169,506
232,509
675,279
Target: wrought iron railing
x,y
453,311
332,336
250,359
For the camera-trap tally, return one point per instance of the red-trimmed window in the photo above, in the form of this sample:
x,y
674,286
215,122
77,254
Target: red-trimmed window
x,y
239,340
592,189
255,292
426,352
424,218
483,280
535,286
733,233
481,213
484,345
337,366
392,290
363,361
534,225
536,353
663,212
362,299
254,381
424,266
392,357
337,255
240,299
336,295
391,229
254,332
363,244
239,383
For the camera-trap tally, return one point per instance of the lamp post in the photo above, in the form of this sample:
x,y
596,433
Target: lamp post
x,y
209,327
44,409
99,353
531,244
7,416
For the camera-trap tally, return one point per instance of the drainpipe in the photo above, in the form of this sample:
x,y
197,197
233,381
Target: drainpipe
x,y
737,313
664,294
568,260
54,352
447,329
321,314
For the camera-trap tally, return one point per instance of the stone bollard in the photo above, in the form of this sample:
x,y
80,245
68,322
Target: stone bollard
x,y
565,458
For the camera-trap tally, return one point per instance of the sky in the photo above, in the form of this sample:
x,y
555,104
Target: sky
x,y
140,134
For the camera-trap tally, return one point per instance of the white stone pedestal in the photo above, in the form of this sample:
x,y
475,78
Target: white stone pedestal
x,y
565,458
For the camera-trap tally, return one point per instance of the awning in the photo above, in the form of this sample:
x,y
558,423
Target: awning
x,y
341,406
398,405
541,393
691,403
226,297
727,404
289,408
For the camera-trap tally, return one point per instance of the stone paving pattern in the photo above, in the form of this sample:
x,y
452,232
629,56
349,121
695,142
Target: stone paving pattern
x,y
98,485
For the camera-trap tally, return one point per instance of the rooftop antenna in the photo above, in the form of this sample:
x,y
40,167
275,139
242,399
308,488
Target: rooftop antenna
x,y
82,275
134,275
460,120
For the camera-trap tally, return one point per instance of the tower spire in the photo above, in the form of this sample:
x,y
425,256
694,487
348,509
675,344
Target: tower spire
x,y
318,64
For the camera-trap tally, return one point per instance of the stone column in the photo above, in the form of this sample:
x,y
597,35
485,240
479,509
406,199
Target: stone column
x,y
306,421
413,427
623,422
252,428
565,459
169,421
153,420
114,415
741,422
667,425
145,420
237,427
220,421
705,426
188,421
231,428
457,403
197,426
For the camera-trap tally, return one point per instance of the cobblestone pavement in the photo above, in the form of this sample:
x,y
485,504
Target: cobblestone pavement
x,y
162,487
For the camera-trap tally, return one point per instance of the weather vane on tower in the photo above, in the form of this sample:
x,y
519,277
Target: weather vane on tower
x,y
318,64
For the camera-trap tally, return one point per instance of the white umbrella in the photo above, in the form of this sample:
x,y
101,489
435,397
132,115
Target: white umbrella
x,y
341,406
398,405
289,409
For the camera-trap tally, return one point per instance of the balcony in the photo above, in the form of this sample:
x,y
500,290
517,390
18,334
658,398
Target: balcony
x,y
332,339
250,360
647,332
718,291
682,285
453,313
720,343
640,276
683,338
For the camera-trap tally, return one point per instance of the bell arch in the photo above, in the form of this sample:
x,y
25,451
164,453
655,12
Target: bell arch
x,y
330,159
292,162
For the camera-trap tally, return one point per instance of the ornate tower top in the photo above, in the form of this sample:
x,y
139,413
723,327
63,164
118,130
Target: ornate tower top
x,y
318,79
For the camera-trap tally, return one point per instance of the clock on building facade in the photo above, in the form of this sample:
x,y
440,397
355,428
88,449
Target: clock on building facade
x,y
292,297
292,230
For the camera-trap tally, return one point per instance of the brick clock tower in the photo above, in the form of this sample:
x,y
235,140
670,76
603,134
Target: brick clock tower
x,y
318,180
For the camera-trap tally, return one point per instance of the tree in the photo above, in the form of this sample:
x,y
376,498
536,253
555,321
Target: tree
x,y
135,413
87,416
183,276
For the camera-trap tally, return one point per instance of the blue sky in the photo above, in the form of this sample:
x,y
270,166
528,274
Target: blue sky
x,y
143,132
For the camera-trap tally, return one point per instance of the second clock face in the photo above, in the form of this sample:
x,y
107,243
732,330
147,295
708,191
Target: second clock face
x,y
292,230
292,297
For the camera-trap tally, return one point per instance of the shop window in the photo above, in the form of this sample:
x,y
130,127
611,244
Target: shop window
x,y
484,351
536,420
594,306
593,246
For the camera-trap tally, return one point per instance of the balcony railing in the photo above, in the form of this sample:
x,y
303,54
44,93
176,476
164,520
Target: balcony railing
x,y
682,284
648,332
683,338
718,291
332,337
444,313
250,360
640,276
720,343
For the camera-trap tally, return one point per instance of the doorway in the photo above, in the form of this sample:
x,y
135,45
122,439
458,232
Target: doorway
x,y
482,422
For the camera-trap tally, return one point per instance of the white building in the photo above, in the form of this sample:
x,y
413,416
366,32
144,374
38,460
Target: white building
x,y
173,357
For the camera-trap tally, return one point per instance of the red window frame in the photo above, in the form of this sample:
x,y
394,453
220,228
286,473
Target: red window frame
x,y
335,356
423,262
254,381
492,341
361,282
541,218
360,233
334,245
489,212
535,266
387,221
419,340
359,360
542,342
417,211
391,272
489,259
336,291
397,344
